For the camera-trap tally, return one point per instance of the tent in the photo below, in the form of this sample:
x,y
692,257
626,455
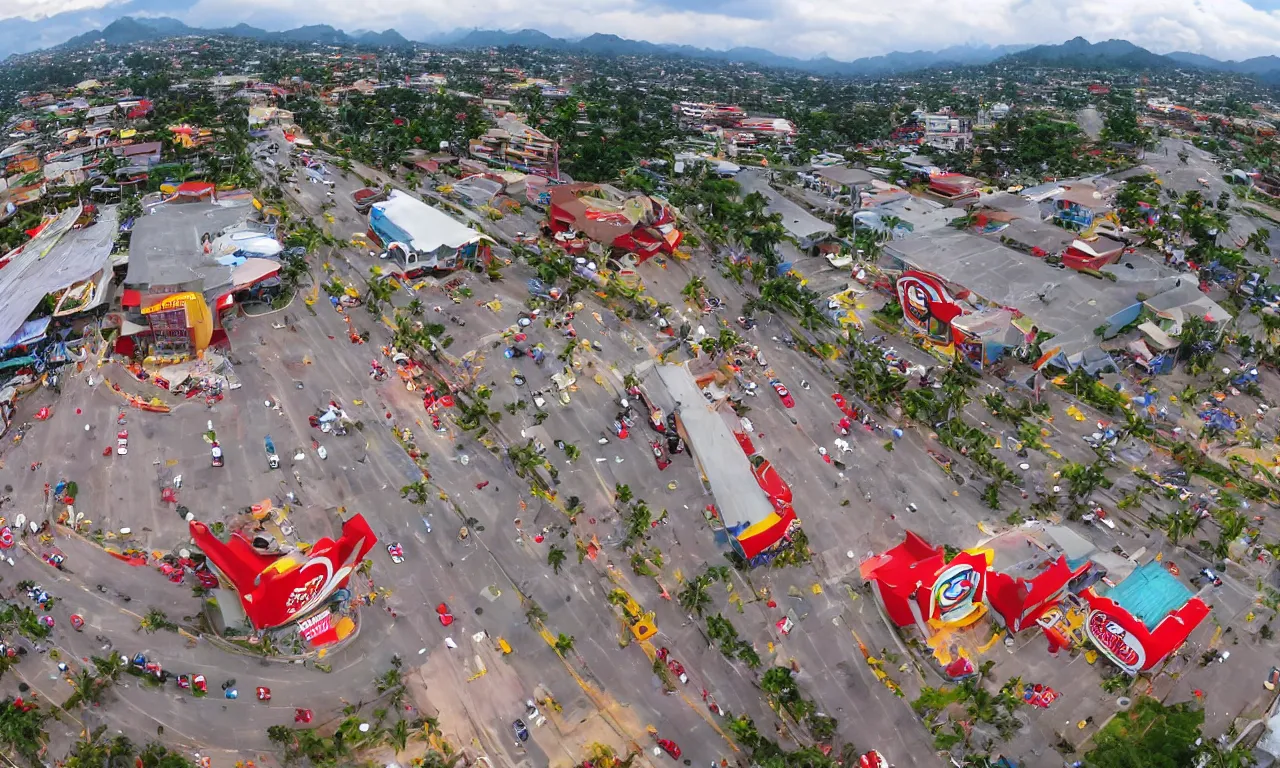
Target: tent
x,y
253,271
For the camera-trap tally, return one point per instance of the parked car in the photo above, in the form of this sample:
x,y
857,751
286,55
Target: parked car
x,y
396,551
783,394
522,730
873,759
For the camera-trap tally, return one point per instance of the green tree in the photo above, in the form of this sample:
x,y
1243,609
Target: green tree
x,y
563,644
693,596
1150,735
1179,524
556,558
1083,479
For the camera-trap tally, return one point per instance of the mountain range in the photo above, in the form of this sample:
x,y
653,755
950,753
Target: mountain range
x,y
1075,53
127,30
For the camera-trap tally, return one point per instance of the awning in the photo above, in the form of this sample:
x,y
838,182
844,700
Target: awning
x,y
128,328
253,271
132,297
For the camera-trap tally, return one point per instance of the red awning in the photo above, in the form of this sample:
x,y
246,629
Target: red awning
x,y
132,298
194,189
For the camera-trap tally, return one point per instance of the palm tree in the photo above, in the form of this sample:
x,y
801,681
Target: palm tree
x,y
85,690
398,735
1084,479
1233,525
693,597
415,307
556,558
693,289
1137,425
622,493
111,667
1215,755
1179,525
563,644
1260,241
728,339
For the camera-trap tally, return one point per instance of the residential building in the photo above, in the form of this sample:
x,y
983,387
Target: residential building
x,y
520,146
1078,206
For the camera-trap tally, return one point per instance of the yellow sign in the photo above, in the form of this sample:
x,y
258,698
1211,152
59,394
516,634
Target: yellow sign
x,y
171,302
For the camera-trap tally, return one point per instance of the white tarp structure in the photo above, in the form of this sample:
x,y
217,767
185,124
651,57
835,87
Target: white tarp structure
x,y
423,228
54,259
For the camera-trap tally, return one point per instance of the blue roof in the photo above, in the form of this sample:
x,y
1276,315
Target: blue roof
x,y
1150,594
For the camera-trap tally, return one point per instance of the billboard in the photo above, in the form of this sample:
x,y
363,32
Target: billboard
x,y
1115,642
927,307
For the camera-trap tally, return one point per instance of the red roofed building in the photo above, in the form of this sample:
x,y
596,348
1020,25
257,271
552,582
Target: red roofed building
x,y
642,224
1018,602
918,586
954,186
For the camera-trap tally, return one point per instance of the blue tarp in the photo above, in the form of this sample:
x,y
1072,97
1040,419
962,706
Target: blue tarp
x,y
28,332
1216,417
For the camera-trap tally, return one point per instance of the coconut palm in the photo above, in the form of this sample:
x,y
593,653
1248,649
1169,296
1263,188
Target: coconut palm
x,y
1259,240
556,558
1215,755
1083,479
1233,525
1179,525
693,289
694,597
563,644
110,668
85,690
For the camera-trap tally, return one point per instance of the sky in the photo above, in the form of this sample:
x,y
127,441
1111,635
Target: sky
x,y
841,29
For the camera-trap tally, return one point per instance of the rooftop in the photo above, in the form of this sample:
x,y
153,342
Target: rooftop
x,y
738,496
1073,302
54,259
166,250
1150,593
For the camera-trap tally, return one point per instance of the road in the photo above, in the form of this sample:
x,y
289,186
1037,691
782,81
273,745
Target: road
x,y
608,692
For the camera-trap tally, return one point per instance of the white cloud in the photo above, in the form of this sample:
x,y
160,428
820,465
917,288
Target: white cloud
x,y
37,9
843,29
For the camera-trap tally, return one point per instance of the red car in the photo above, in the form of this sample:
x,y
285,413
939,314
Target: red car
x,y
783,394
873,759
660,455
670,747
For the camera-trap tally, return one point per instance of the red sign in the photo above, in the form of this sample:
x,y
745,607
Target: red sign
x,y
1119,644
314,626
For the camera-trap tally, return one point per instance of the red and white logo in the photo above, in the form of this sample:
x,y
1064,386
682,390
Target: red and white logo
x,y
1116,642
